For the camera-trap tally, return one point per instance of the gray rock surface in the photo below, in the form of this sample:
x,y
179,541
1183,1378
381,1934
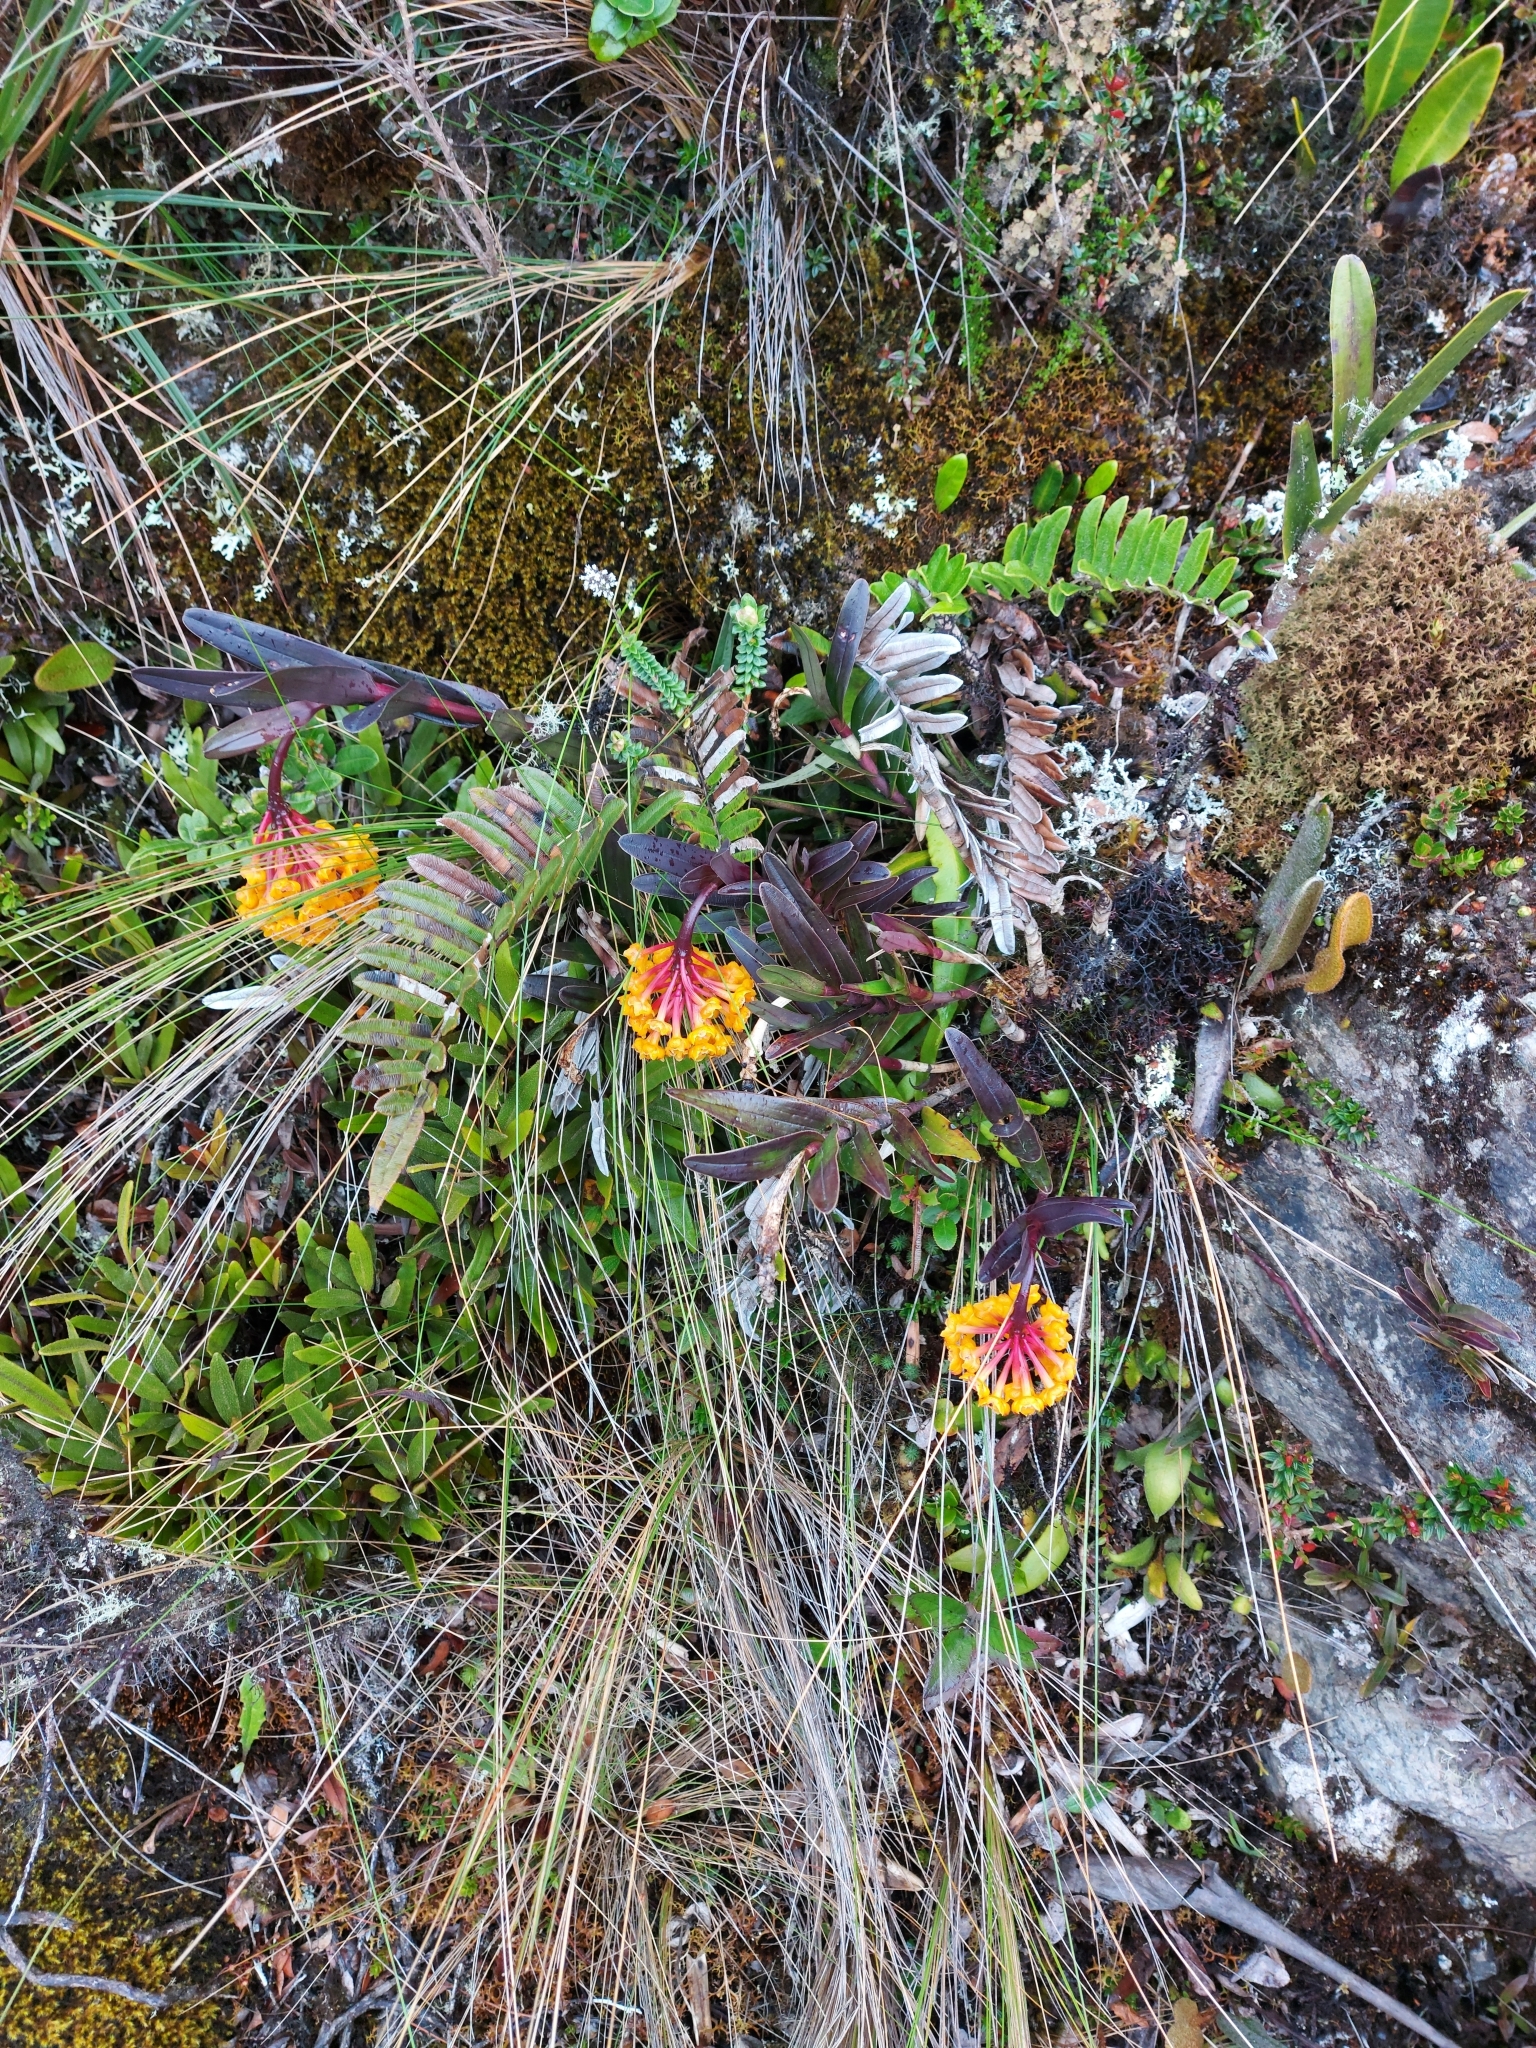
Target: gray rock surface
x,y
1371,1761
1452,1170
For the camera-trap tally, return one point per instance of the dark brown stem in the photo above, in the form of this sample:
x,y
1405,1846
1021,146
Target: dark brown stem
x,y
275,772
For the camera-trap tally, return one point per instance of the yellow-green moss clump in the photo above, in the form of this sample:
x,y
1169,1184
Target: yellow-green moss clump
x,y
1407,664
114,1898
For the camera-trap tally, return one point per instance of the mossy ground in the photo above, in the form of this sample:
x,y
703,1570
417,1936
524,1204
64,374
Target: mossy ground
x,y
113,1899
650,469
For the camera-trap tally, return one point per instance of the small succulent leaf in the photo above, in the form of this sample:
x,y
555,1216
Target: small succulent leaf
x,y
1164,1475
1045,1551
1448,112
996,1100
1180,1584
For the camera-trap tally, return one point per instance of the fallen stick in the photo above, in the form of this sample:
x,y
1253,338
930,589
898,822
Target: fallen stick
x,y
1162,1887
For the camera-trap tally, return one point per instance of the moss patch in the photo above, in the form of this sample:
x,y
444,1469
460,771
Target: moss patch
x,y
1407,664
650,469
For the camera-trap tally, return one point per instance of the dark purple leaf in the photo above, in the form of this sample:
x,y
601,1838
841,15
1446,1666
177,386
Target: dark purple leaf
x,y
830,864
261,729
674,858
1018,1241
995,1099
908,1139
863,1159
268,647
844,651
812,947
753,1162
826,1180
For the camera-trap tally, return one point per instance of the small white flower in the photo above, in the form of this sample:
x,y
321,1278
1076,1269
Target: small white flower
x,y
602,584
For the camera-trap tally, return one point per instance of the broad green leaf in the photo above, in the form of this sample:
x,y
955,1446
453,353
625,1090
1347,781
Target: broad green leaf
x,y
360,1257
1404,36
1133,1559
1164,1475
23,1389
1352,345
950,481
1448,112
1217,581
76,667
307,1417
253,1710
1303,490
1048,489
1006,1639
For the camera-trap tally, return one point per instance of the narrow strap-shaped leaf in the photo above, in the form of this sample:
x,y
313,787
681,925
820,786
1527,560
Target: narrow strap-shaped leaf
x,y
996,1100
387,1031
862,1157
1346,501
1187,575
496,847
1133,545
1438,368
565,810
1045,544
753,1162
